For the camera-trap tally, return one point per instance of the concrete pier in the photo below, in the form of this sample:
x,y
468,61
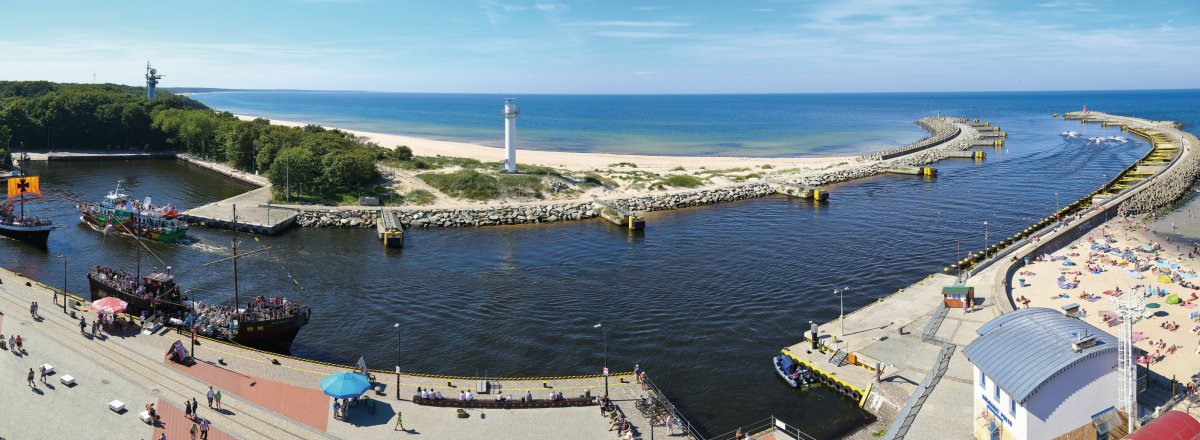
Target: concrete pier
x,y
94,156
966,154
800,191
254,214
914,171
620,216
390,229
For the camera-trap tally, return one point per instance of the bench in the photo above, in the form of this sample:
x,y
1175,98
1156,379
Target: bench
x,y
67,380
116,406
144,416
49,368
511,404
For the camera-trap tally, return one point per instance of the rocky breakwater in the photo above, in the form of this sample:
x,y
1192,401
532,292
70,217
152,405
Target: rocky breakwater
x,y
1171,185
526,214
660,202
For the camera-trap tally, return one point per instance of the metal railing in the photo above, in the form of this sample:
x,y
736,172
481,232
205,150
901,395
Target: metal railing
x,y
917,399
760,427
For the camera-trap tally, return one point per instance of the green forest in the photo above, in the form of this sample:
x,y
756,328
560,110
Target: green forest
x,y
316,164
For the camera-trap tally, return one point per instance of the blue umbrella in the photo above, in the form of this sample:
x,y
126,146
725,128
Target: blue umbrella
x,y
345,384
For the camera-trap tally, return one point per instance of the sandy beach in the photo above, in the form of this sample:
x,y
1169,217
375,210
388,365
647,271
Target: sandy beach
x,y
1126,258
578,161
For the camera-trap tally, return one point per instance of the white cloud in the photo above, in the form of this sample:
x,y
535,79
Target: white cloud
x,y
551,7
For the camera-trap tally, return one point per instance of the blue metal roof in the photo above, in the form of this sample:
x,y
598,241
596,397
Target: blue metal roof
x,y
1022,350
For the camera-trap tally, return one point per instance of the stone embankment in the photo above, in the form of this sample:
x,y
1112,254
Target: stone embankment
x,y
1169,186
940,130
516,215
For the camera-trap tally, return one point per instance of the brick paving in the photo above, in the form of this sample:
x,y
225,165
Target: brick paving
x,y
305,405
175,423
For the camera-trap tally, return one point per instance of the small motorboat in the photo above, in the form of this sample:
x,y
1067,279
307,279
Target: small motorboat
x,y
792,372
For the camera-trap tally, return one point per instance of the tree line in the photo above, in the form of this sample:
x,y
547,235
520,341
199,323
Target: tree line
x,y
319,162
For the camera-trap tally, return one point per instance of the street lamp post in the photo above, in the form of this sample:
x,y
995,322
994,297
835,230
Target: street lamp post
x,y
985,239
841,311
397,326
604,341
64,288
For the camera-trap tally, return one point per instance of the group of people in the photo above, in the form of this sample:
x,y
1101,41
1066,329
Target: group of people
x,y
213,320
9,216
1169,325
266,309
341,407
17,344
429,394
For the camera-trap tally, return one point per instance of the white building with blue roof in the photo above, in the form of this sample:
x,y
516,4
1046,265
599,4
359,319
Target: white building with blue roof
x,y
1039,374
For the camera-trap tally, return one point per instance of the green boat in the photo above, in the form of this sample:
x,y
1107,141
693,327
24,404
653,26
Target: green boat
x,y
118,213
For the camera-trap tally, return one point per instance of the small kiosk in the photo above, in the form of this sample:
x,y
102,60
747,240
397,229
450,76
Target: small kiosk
x,y
956,296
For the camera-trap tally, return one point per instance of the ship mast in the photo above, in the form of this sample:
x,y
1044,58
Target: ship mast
x,y
236,300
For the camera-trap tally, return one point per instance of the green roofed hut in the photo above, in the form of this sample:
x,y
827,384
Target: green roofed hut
x,y
956,296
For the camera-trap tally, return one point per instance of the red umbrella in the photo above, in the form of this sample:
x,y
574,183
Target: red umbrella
x,y
110,305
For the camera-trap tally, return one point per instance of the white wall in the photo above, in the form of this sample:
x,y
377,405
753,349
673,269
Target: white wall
x,y
1063,404
1070,399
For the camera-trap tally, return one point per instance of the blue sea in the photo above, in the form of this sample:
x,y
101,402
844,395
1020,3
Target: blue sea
x,y
741,125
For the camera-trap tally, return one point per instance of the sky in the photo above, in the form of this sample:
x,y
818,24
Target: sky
x,y
609,46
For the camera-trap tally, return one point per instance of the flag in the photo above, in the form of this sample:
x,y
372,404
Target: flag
x,y
362,366
24,187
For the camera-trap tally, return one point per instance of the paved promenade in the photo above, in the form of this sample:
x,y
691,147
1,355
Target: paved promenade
x,y
260,399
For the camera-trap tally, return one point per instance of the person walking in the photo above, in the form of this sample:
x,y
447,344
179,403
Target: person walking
x,y
218,398
95,328
187,409
83,326
195,409
20,344
42,374
399,422
211,394
204,429
33,310
193,431
29,377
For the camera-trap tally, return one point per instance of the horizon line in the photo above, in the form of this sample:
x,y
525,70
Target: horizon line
x,y
220,90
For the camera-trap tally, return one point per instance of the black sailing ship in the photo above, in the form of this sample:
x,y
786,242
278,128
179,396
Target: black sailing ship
x,y
266,323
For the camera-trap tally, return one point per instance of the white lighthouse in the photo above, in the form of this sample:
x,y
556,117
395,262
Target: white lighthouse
x,y
510,135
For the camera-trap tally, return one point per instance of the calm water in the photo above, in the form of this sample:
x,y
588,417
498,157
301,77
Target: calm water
x,y
701,300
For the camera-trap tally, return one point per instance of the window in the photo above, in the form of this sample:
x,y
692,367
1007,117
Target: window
x,y
982,380
997,393
1012,406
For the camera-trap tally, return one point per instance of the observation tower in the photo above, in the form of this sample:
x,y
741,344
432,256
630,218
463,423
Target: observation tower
x,y
152,78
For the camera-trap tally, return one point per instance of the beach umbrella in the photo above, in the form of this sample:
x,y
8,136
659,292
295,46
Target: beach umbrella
x,y
345,384
109,305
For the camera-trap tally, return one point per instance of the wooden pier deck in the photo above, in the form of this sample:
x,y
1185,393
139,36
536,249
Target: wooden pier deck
x,y
254,213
